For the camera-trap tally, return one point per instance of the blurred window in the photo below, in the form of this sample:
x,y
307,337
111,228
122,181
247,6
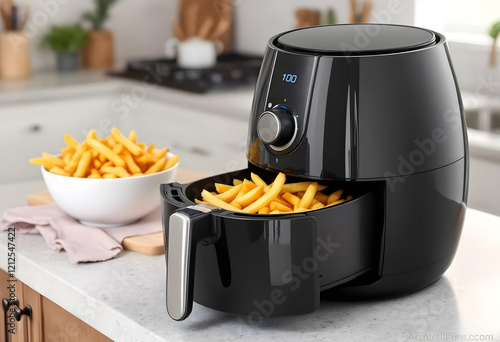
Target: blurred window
x,y
462,20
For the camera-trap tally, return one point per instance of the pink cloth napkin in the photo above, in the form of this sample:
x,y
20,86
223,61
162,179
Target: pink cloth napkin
x,y
82,243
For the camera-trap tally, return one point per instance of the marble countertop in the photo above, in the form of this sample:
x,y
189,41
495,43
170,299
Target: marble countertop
x,y
124,298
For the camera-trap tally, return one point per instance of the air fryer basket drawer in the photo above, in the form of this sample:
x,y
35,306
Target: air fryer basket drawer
x,y
298,255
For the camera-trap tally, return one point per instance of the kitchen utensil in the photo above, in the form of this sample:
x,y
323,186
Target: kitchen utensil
x,y
14,55
357,16
6,12
221,29
382,120
14,18
190,20
204,31
179,33
306,17
195,16
353,11
365,13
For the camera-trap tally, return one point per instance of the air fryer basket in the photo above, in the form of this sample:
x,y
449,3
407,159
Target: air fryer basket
x,y
252,258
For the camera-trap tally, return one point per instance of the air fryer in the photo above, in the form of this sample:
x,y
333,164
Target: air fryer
x,y
369,108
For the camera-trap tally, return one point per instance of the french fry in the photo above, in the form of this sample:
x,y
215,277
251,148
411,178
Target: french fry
x,y
269,196
48,164
250,196
94,173
118,171
71,142
211,199
132,136
222,187
278,206
83,164
301,186
321,197
265,210
58,171
336,202
67,157
171,162
131,164
257,180
75,159
115,170
334,196
230,195
281,201
249,185
157,154
97,163
308,197
129,145
158,166
106,152
317,205
240,194
55,160
118,148
237,181
291,198
91,134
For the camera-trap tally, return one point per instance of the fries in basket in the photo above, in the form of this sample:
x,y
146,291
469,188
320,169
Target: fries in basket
x,y
255,196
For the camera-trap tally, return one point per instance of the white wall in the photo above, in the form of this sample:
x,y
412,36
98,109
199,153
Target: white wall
x,y
258,20
140,27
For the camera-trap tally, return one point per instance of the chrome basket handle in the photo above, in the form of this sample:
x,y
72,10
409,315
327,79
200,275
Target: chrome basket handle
x,y
186,227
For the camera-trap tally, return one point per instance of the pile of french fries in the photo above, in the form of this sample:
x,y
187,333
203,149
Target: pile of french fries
x,y
115,156
256,196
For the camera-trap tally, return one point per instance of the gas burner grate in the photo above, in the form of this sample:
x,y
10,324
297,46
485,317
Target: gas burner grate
x,y
232,71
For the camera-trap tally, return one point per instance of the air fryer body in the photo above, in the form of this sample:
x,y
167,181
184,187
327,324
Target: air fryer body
x,y
371,109
375,115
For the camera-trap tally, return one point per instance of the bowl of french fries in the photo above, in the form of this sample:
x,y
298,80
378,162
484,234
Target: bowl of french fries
x,y
105,182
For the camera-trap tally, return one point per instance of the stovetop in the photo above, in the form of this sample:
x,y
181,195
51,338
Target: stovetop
x,y
232,71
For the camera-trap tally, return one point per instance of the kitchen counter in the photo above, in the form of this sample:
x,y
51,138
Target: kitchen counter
x,y
124,298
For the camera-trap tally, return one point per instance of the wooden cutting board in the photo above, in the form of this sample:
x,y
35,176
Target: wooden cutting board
x,y
150,244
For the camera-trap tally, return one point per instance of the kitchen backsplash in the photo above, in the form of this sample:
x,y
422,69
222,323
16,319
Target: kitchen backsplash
x,y
142,27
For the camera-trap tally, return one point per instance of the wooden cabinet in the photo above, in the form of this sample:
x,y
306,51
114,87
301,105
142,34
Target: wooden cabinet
x,y
48,322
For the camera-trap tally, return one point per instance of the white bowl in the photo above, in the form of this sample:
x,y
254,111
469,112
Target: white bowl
x,y
108,202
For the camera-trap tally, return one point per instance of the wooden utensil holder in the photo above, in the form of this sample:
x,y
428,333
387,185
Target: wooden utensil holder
x,y
14,56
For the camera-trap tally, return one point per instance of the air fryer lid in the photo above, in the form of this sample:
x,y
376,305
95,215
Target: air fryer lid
x,y
362,39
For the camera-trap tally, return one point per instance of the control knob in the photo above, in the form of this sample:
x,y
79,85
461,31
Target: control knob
x,y
276,126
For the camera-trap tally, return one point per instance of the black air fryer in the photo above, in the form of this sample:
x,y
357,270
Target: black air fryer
x,y
371,109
